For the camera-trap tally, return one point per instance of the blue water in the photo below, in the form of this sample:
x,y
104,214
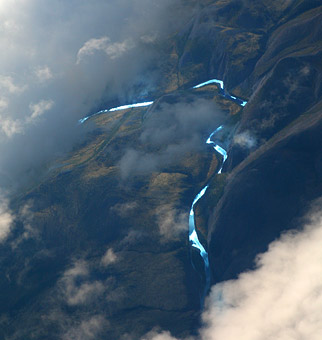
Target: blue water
x,y
193,236
212,81
222,91
118,108
144,104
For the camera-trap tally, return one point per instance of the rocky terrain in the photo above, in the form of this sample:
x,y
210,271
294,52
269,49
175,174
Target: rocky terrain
x,y
101,246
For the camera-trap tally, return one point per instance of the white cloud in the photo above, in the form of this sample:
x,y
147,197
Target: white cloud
x,y
79,268
280,300
91,46
3,104
7,84
109,258
39,108
77,287
245,140
171,222
87,329
6,219
11,127
25,215
124,209
149,38
43,74
83,294
113,50
158,336
117,49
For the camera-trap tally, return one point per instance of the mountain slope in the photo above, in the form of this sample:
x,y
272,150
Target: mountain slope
x,y
100,243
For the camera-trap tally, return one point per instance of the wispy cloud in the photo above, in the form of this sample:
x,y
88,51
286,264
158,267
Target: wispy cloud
x,y
124,209
245,140
11,127
132,237
3,104
25,216
108,258
87,329
6,219
173,130
154,335
7,84
39,109
77,287
104,44
43,73
171,222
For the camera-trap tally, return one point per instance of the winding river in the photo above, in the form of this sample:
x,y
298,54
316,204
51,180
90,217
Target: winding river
x,y
222,92
193,235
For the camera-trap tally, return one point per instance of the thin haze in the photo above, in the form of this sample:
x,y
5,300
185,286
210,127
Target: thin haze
x,y
170,133
62,60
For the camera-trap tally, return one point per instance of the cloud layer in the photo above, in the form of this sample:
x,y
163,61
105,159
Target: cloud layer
x,y
281,299
64,60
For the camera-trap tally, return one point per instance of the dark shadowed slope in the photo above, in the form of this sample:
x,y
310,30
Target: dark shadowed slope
x,y
265,196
